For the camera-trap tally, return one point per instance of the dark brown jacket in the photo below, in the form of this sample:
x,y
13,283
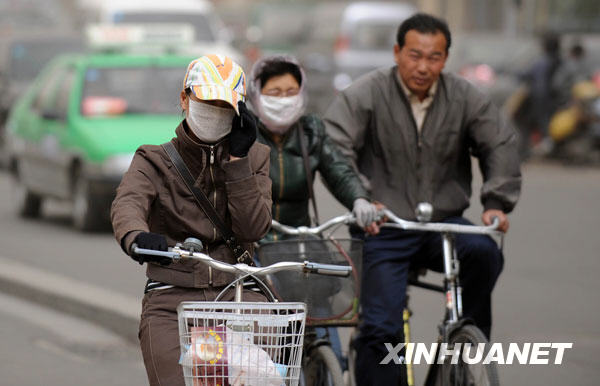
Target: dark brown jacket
x,y
152,197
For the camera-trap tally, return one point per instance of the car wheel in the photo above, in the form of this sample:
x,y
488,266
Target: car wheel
x,y
87,214
26,203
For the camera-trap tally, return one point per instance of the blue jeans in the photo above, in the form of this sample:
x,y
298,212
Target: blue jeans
x,y
386,261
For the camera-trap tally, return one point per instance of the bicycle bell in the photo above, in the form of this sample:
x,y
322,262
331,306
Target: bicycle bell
x,y
193,245
424,211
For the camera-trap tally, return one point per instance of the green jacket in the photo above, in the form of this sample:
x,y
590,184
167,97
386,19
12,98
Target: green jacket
x,y
289,189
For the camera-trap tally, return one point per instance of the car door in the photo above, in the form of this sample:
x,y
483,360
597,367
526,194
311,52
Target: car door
x,y
32,158
55,144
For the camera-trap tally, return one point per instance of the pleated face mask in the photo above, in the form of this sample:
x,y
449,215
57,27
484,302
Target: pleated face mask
x,y
209,123
279,113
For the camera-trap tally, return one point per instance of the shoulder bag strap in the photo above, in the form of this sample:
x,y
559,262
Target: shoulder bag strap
x,y
309,180
242,255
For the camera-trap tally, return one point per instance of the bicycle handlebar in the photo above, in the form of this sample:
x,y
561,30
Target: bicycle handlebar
x,y
177,253
347,218
397,222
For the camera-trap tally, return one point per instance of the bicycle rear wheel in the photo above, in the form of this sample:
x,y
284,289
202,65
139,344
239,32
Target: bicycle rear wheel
x,y
464,374
321,368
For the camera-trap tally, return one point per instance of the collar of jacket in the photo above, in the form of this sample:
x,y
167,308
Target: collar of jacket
x,y
285,139
437,110
412,141
196,154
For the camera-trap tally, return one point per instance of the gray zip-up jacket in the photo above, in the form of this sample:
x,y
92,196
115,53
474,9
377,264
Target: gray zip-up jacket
x,y
372,123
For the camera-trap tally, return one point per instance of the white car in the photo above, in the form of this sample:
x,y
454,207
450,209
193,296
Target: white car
x,y
210,34
367,37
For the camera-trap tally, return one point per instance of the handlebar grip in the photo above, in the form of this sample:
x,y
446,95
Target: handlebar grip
x,y
328,269
136,251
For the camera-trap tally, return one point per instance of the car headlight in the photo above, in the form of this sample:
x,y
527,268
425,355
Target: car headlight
x,y
117,165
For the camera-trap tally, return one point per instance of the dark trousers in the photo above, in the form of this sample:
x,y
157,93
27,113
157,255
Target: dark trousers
x,y
386,261
159,330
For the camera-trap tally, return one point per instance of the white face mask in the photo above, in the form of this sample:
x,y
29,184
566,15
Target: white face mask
x,y
278,113
209,123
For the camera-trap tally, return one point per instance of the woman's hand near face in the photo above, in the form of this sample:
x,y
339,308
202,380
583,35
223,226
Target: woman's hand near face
x,y
243,133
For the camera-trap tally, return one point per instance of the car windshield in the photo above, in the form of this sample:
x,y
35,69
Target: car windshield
x,y
138,90
202,27
373,36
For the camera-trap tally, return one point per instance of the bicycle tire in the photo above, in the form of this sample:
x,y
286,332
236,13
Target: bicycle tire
x,y
352,359
322,368
463,374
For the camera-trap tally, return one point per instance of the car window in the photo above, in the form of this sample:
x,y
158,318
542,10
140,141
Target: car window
x,y
134,90
202,27
373,36
44,96
61,103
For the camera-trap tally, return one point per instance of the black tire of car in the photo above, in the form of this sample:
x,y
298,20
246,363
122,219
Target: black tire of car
x,y
461,373
87,212
322,368
26,203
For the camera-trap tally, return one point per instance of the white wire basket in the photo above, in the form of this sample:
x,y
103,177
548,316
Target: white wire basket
x,y
250,344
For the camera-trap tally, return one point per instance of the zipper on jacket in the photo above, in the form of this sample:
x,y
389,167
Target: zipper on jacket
x,y
281,176
281,179
210,280
212,178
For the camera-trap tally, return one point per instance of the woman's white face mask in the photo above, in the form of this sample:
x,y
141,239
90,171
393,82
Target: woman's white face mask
x,y
279,113
209,123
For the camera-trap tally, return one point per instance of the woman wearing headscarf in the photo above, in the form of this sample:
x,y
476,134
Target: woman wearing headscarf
x,y
300,148
278,98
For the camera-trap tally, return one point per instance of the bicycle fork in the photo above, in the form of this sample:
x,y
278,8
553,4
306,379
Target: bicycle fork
x,y
453,290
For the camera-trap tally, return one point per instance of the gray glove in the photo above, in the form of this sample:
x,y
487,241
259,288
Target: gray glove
x,y
364,211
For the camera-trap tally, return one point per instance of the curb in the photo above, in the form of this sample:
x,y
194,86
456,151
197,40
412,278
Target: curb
x,y
114,311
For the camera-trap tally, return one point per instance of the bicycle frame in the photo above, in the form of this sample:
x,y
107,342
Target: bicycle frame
x,y
451,287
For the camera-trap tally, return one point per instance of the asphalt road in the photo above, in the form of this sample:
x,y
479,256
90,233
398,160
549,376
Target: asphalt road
x,y
46,348
547,292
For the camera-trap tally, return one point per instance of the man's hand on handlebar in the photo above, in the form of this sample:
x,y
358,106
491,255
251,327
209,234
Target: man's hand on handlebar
x,y
488,217
372,228
154,241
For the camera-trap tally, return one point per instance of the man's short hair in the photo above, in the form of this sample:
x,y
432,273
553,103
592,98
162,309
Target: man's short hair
x,y
423,23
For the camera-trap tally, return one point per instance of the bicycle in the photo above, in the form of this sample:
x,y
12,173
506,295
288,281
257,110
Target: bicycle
x,y
454,328
242,343
330,302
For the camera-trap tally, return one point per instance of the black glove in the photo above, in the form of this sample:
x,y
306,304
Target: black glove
x,y
148,240
243,132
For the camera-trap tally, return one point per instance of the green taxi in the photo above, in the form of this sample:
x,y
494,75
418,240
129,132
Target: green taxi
x,y
73,134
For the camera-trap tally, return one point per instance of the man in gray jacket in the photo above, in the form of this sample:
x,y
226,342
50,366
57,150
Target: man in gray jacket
x,y
410,131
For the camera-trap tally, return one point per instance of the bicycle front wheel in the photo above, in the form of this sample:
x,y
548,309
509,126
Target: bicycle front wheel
x,y
321,368
465,374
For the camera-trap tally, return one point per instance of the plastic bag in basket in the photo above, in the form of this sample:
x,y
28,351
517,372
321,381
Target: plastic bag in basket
x,y
220,356
250,365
